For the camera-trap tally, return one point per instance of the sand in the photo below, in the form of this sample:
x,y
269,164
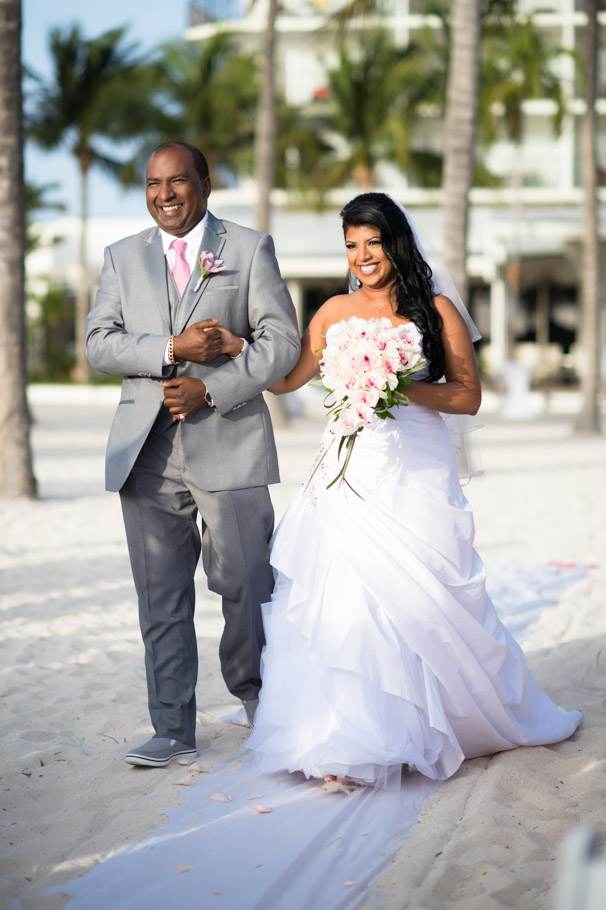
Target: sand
x,y
72,687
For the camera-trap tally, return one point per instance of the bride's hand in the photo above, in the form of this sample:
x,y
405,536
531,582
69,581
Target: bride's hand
x,y
230,344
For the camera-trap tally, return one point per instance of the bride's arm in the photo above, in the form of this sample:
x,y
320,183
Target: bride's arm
x,y
312,346
306,367
462,392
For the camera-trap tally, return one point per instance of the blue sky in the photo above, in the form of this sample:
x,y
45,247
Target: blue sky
x,y
150,23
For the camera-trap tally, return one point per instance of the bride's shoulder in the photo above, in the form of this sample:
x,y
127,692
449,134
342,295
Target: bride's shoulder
x,y
337,305
446,308
452,320
332,310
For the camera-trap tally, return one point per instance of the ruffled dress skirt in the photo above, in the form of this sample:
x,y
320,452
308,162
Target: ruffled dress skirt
x,y
383,648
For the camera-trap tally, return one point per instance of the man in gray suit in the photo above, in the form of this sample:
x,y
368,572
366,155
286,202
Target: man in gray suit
x,y
192,433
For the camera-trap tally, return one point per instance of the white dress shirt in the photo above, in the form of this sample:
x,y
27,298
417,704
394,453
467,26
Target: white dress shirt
x,y
193,240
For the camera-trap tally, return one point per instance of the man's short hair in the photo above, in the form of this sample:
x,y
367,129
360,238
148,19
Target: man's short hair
x,y
200,162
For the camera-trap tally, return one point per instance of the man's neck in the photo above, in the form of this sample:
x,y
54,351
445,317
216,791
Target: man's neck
x,y
195,235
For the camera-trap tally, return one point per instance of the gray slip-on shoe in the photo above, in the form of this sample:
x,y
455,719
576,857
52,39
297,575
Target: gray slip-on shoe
x,y
159,752
250,706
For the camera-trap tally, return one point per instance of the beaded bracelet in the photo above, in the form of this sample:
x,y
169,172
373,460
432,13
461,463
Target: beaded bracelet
x,y
244,346
171,350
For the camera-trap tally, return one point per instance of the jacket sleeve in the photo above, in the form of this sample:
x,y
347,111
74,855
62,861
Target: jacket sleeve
x,y
274,336
110,348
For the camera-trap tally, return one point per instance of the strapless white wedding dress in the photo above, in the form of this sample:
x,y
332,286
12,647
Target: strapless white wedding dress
x,y
383,649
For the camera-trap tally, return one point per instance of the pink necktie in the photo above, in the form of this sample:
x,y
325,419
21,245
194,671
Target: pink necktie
x,y
180,268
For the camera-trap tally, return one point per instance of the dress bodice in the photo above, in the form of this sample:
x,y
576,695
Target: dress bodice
x,y
421,374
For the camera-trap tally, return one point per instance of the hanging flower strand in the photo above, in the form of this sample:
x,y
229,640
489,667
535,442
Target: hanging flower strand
x,y
208,266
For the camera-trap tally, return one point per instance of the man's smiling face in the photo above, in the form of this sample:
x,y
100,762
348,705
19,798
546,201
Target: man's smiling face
x,y
176,195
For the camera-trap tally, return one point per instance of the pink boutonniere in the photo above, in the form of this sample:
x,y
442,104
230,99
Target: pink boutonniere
x,y
208,266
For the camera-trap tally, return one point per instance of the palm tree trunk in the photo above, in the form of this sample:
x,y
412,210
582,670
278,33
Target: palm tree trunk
x,y
82,369
363,176
588,420
265,159
16,473
265,140
460,134
514,261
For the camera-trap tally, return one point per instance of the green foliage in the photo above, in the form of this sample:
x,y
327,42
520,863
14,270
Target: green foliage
x,y
205,95
517,65
376,91
35,201
357,8
51,334
301,150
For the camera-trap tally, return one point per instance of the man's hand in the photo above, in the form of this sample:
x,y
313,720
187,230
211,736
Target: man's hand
x,y
199,343
184,396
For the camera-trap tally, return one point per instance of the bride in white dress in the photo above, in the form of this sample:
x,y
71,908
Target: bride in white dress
x,y
383,648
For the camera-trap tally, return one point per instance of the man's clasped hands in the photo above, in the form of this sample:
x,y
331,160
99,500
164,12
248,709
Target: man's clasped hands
x,y
200,343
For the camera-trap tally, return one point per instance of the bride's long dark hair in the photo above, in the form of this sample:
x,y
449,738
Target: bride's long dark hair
x,y
414,290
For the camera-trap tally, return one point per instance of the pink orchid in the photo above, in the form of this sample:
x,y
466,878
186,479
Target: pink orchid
x,y
208,266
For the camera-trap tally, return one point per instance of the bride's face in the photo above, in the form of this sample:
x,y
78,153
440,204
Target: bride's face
x,y
366,257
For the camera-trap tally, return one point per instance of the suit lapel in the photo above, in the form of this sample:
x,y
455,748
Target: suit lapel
x,y
153,254
213,240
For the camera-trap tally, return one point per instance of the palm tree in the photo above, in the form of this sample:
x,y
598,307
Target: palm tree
x,y
459,135
95,94
588,420
375,92
16,472
207,96
517,67
515,64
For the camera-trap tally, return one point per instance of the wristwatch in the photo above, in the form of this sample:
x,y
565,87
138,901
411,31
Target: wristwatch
x,y
208,399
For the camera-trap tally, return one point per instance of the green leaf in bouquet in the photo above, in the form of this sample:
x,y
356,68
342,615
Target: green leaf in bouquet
x,y
402,400
349,444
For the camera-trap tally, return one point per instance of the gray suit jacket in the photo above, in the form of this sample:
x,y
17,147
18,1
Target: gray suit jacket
x,y
230,446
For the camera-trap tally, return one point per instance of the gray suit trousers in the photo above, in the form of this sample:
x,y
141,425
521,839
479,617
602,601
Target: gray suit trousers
x,y
160,505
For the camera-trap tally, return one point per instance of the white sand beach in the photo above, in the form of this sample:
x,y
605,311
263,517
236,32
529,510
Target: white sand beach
x,y
72,686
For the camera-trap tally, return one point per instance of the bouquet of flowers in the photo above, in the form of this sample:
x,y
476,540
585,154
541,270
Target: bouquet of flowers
x,y
365,367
